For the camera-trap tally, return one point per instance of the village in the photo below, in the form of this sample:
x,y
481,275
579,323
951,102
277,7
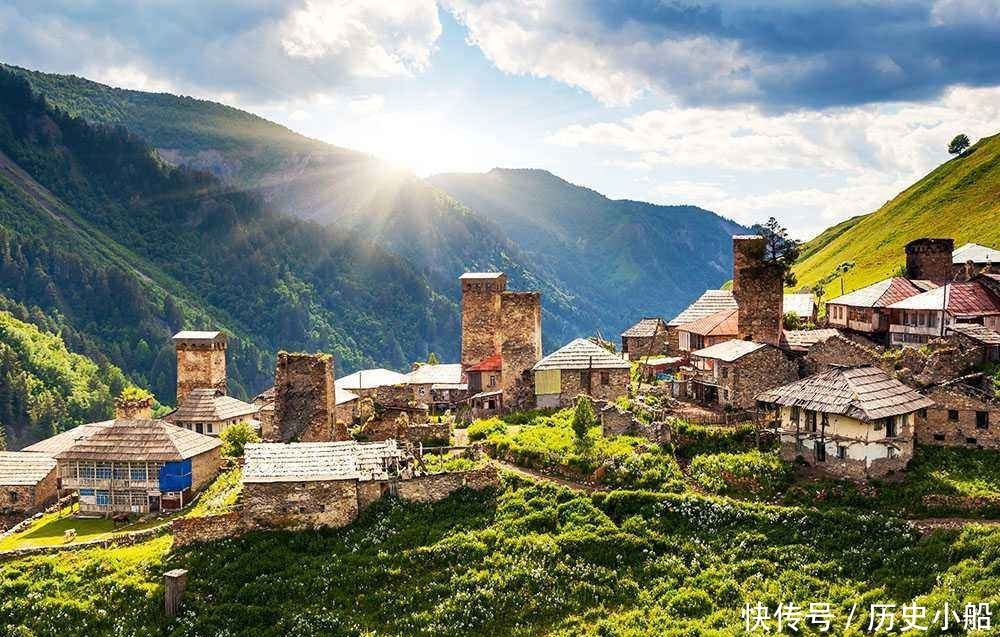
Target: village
x,y
849,392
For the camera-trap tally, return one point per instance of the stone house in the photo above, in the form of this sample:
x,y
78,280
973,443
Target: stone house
x,y
28,482
866,310
426,379
962,415
709,303
707,331
920,318
581,367
317,484
837,351
648,337
135,466
801,341
485,383
731,374
208,411
497,321
854,422
974,335
363,382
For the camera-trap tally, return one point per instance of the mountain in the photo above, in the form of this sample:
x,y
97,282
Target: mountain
x,y
599,263
636,257
958,199
105,243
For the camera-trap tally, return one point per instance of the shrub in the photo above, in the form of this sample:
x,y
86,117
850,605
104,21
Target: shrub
x,y
483,429
583,418
236,437
752,474
690,440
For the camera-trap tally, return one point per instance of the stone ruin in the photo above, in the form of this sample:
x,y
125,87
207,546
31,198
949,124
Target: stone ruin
x,y
304,400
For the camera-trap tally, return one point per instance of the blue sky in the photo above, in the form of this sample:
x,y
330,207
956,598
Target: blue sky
x,y
808,111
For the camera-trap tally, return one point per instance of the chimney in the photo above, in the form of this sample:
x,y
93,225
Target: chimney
x,y
758,287
134,405
304,399
930,259
201,362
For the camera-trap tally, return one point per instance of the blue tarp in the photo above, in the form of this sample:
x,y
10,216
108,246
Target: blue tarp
x,y
176,476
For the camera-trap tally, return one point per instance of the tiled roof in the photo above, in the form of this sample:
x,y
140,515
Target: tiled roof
x,y
139,440
863,393
435,374
62,441
729,351
208,405
802,304
645,328
492,364
979,333
371,378
802,340
960,298
881,294
709,303
581,354
19,468
318,461
975,253
724,323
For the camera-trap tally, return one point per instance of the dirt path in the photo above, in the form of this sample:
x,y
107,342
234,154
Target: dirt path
x,y
544,477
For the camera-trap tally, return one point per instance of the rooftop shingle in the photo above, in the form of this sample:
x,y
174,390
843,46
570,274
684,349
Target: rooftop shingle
x,y
581,354
20,468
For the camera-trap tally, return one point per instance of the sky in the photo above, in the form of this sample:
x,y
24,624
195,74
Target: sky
x,y
808,111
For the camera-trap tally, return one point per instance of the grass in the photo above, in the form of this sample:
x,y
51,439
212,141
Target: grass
x,y
219,496
959,199
49,529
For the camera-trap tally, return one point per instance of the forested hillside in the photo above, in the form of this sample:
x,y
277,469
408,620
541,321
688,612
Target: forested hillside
x,y
605,263
958,199
103,239
45,388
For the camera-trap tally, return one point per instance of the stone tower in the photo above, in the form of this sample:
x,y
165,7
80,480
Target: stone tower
x,y
481,314
305,400
201,362
930,259
758,287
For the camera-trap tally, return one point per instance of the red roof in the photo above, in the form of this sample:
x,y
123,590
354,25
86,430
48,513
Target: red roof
x,y
971,298
492,364
724,323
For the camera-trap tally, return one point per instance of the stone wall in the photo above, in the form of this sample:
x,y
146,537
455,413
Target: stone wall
x,y
741,381
330,503
370,492
435,487
837,350
930,259
304,403
760,300
28,499
128,538
521,336
431,432
571,385
851,468
481,317
200,364
640,346
187,531
205,468
952,420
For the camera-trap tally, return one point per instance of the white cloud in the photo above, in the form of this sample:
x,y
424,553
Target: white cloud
x,y
366,105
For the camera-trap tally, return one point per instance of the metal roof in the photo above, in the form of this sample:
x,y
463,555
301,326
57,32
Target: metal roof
x,y
195,335
19,468
976,253
645,328
977,332
969,298
724,323
427,374
881,294
481,275
863,393
139,441
492,364
709,303
208,405
729,351
318,461
581,354
371,379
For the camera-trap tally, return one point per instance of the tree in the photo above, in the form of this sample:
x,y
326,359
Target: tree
x,y
819,290
236,437
791,321
432,359
583,418
959,144
779,248
842,270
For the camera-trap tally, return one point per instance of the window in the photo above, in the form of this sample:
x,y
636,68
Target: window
x,y
87,471
819,449
794,416
606,378
982,420
103,498
811,421
970,441
119,471
211,428
922,413
953,415
725,372
939,437
890,427
199,427
878,425
138,474
585,379
841,452
104,470
493,380
14,496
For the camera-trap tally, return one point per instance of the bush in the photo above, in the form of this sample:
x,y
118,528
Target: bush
x,y
483,429
690,440
236,437
752,474
583,418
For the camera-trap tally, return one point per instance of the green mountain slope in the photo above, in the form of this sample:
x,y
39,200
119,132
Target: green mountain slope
x,y
958,199
639,257
44,387
587,279
102,238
